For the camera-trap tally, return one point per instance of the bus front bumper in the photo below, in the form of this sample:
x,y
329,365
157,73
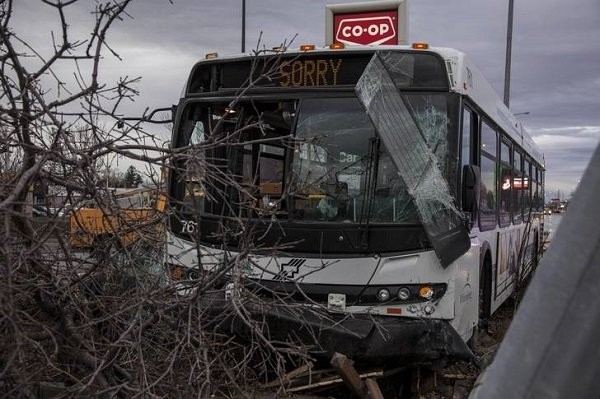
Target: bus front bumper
x,y
366,338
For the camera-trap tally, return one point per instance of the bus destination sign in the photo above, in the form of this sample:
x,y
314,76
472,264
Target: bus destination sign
x,y
372,28
309,70
315,72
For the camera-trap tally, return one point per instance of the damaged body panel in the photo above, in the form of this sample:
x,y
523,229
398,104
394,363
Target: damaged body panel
x,y
412,146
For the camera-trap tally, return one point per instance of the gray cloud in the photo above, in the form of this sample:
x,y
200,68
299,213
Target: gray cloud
x,y
555,63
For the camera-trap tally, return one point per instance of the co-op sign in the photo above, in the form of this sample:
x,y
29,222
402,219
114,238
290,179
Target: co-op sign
x,y
372,23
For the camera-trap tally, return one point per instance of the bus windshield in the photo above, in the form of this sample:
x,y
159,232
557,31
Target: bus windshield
x,y
305,160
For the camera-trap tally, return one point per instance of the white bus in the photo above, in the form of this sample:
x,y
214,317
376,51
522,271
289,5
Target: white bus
x,y
388,186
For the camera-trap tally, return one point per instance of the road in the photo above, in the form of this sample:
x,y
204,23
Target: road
x,y
551,223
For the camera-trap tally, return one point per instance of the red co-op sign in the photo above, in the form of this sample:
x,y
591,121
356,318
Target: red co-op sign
x,y
371,28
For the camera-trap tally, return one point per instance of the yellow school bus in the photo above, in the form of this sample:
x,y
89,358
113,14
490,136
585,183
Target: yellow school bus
x,y
128,216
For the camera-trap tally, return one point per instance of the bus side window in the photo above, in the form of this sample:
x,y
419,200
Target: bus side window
x,y
506,183
466,140
488,194
519,185
527,190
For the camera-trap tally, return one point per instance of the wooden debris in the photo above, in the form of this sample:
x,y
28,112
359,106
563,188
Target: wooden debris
x,y
289,377
354,382
345,368
331,381
373,391
343,371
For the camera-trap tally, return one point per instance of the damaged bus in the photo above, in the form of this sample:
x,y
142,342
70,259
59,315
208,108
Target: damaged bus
x,y
384,191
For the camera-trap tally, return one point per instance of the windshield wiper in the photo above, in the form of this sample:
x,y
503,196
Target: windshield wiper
x,y
371,180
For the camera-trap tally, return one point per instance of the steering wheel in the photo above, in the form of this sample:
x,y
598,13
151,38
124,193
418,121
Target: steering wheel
x,y
328,208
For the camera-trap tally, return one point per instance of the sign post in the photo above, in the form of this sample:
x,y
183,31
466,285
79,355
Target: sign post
x,y
370,23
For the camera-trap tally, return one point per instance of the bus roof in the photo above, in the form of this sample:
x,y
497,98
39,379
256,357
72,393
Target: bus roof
x,y
463,77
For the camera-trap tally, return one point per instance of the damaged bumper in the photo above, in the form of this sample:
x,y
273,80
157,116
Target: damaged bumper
x,y
371,339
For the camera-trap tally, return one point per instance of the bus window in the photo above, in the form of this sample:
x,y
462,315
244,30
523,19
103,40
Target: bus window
x,y
527,190
537,205
271,170
489,141
487,199
392,202
506,185
487,205
331,160
465,155
518,186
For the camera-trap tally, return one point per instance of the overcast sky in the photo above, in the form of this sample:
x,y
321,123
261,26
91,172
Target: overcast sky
x,y
555,57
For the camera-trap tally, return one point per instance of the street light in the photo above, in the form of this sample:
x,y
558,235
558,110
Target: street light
x,y
508,53
243,26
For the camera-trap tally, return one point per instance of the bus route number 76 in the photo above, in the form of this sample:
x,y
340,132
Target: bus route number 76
x,y
188,226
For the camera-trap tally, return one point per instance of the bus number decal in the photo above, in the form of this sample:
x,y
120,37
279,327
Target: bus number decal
x,y
188,226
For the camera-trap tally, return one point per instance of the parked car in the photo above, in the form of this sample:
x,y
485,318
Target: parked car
x,y
39,210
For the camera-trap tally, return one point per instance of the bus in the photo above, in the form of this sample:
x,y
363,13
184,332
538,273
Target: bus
x,y
126,216
387,186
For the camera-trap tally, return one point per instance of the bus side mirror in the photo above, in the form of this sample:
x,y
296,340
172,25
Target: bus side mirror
x,y
470,188
173,113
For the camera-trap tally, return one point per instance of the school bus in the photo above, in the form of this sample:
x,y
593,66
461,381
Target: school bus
x,y
128,216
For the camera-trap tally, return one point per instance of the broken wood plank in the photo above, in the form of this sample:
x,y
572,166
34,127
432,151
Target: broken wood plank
x,y
331,381
351,378
373,390
288,377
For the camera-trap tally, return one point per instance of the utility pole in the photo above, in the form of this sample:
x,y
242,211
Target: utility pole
x,y
508,53
243,26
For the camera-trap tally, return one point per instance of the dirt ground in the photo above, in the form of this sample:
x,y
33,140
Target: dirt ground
x,y
456,380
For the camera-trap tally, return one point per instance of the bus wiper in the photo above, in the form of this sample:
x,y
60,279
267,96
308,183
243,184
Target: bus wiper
x,y
371,180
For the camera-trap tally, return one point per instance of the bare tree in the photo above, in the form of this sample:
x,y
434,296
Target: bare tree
x,y
107,323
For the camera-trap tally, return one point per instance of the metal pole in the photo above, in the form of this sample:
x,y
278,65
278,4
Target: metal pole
x,y
508,53
243,26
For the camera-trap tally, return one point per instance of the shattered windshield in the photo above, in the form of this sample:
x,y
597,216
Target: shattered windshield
x,y
307,160
340,172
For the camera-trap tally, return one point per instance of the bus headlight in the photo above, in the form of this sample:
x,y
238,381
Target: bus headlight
x,y
383,295
403,293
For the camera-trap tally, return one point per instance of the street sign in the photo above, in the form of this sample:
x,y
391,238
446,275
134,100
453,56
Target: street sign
x,y
372,23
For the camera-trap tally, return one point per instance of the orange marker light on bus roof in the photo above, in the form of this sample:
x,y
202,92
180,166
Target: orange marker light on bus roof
x,y
210,56
336,46
420,46
307,47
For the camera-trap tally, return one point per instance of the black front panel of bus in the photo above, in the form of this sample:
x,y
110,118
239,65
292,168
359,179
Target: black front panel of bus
x,y
306,238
